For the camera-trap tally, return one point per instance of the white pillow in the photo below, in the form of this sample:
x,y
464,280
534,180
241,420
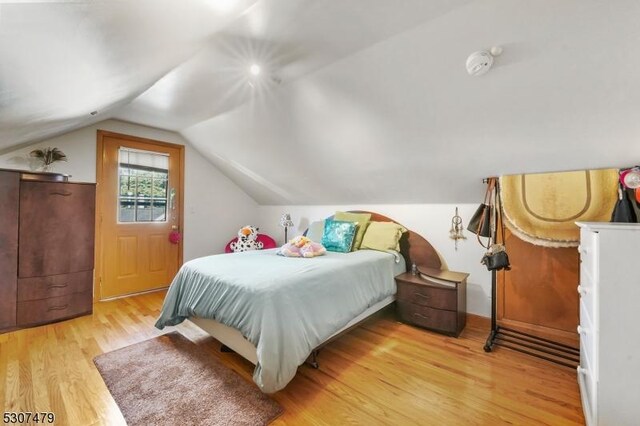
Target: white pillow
x,y
316,230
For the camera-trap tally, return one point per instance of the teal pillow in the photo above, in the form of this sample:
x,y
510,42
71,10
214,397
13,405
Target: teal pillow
x,y
338,235
315,231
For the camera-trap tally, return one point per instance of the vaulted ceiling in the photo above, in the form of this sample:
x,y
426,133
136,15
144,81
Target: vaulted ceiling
x,y
359,101
170,63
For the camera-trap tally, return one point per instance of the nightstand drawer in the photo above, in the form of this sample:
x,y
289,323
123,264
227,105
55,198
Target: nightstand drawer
x,y
427,296
426,317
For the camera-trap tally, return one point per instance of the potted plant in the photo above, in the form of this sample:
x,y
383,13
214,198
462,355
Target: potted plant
x,y
48,156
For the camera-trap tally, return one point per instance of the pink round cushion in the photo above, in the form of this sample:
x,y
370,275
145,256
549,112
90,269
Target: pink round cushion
x,y
268,242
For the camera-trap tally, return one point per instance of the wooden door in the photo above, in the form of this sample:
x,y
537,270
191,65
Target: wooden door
x,y
9,190
140,185
538,295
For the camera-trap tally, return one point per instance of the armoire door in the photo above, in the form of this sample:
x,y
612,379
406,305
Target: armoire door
x,y
538,295
56,228
9,190
140,193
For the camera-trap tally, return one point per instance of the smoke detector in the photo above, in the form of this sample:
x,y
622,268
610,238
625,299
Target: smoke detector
x,y
480,62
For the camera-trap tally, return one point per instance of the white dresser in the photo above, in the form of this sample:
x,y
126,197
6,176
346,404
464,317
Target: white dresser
x,y
609,371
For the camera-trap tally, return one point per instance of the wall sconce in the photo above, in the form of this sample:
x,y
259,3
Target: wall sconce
x,y
456,232
286,223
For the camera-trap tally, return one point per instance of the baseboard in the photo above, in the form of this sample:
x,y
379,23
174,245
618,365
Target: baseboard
x,y
479,320
155,290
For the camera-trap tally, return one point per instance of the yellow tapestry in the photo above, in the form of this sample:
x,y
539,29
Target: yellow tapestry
x,y
542,208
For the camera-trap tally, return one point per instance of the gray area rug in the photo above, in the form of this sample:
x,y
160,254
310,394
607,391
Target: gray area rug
x,y
169,380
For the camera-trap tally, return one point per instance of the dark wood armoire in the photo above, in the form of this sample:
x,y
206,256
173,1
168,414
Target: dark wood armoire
x,y
46,248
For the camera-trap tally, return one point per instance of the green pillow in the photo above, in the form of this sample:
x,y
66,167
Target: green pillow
x,y
338,235
315,231
361,219
383,236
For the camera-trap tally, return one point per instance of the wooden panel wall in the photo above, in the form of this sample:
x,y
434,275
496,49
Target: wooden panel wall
x,y
539,294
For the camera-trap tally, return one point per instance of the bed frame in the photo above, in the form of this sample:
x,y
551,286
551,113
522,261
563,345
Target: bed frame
x,y
413,247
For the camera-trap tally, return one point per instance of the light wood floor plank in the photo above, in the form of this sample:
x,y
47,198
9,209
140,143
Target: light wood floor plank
x,y
384,372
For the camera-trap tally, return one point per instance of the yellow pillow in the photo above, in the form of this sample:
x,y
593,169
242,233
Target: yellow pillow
x,y
383,236
361,220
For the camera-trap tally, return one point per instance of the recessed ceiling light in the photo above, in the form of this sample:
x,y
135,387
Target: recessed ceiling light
x,y
254,69
223,5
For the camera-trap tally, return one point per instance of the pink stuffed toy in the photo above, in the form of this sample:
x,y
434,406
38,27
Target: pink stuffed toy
x,y
302,246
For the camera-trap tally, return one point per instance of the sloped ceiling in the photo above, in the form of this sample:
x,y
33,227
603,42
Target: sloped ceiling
x,y
359,101
61,60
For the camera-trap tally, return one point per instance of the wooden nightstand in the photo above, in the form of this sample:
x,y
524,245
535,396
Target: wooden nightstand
x,y
433,299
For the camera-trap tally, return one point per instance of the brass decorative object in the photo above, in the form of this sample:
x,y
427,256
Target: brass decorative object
x,y
456,232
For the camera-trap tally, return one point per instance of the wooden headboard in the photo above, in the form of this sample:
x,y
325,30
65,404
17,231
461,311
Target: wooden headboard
x,y
413,246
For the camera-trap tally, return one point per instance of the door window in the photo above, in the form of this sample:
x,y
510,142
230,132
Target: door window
x,y
143,177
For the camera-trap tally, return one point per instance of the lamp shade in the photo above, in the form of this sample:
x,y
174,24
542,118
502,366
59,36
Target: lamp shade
x,y
285,221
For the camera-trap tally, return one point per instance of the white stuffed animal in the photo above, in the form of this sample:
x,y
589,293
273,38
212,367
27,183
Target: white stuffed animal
x,y
247,236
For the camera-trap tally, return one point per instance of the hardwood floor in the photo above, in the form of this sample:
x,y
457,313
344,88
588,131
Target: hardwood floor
x,y
384,372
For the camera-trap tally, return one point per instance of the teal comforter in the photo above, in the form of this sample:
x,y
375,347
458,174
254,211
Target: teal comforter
x,y
285,306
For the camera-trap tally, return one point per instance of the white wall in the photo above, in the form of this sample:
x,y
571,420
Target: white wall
x,y
215,208
429,220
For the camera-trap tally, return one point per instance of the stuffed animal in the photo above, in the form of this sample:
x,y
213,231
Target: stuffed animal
x,y
302,246
247,236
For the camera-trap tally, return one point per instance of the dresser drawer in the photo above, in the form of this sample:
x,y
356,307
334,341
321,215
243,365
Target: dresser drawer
x,y
587,279
587,298
32,312
586,359
588,239
588,338
54,285
426,317
589,257
588,395
427,296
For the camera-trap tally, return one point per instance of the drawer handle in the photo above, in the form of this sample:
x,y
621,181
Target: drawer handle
x,y
57,308
52,286
422,295
582,330
583,371
583,291
420,315
63,193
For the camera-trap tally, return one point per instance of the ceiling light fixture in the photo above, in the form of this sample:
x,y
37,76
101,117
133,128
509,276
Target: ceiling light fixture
x,y
254,69
223,5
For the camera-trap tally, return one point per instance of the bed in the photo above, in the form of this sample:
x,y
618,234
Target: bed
x,y
277,311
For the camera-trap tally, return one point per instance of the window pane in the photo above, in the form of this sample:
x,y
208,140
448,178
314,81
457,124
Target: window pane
x,y
159,189
127,186
143,186
143,213
159,210
144,173
127,212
